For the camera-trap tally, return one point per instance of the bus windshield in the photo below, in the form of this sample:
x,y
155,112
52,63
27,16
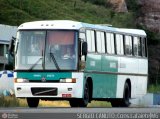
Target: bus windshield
x,y
46,50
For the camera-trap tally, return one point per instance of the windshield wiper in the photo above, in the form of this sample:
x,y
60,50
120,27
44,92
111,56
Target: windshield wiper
x,y
54,60
41,58
35,63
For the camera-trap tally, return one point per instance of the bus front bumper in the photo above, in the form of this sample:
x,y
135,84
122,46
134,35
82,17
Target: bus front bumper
x,y
48,90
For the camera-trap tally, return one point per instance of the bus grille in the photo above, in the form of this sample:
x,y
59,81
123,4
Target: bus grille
x,y
39,91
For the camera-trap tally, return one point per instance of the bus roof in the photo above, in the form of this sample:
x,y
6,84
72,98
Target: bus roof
x,y
74,25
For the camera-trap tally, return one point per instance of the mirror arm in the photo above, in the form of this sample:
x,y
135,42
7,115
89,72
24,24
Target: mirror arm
x,y
11,46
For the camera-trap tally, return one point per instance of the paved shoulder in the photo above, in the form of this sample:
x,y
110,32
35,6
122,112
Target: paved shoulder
x,y
79,110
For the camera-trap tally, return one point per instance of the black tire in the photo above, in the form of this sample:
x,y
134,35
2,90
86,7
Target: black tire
x,y
124,102
84,101
116,103
126,96
33,102
74,103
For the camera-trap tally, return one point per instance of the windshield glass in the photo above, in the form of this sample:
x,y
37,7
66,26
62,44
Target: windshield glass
x,y
30,49
61,50
46,50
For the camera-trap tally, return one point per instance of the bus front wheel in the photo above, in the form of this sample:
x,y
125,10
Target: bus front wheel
x,y
84,101
33,102
116,103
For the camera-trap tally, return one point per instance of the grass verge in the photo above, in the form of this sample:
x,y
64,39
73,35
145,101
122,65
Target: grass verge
x,y
15,102
154,88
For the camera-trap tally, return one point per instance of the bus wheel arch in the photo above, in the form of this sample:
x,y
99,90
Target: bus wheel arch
x,y
90,83
87,95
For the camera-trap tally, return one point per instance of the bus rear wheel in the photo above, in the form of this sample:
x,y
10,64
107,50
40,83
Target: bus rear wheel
x,y
126,96
84,101
33,102
124,102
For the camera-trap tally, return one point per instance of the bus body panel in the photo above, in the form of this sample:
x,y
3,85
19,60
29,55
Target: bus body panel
x,y
102,70
109,64
137,68
113,72
93,62
143,66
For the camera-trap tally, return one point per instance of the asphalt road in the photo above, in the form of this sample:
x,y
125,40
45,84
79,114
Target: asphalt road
x,y
79,110
79,113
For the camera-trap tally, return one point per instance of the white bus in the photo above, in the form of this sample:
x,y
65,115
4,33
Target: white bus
x,y
79,62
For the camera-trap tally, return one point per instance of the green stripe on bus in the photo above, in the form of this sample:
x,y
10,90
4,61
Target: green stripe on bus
x,y
47,75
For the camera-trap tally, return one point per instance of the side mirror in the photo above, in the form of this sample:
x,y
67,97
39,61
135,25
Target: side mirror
x,y
84,48
11,46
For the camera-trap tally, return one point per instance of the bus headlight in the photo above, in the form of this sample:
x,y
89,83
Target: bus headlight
x,y
20,80
68,80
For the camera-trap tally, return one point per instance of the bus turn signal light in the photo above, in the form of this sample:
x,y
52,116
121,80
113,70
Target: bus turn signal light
x,y
68,80
20,80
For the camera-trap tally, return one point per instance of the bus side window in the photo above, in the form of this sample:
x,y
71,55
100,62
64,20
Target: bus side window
x,y
144,54
128,45
135,47
110,43
90,40
119,44
100,42
139,47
